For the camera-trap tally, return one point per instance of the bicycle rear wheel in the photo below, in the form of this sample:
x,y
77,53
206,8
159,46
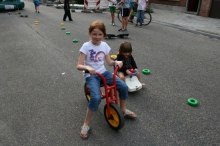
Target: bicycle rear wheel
x,y
147,18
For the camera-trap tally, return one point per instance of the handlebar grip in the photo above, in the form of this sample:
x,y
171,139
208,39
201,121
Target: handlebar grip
x,y
134,73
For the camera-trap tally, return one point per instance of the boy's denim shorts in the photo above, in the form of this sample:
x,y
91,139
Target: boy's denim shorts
x,y
36,3
93,83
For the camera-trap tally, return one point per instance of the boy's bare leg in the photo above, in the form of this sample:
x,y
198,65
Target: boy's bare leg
x,y
129,17
139,78
113,17
89,114
121,76
126,22
122,106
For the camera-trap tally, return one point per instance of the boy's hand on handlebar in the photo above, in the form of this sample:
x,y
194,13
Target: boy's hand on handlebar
x,y
136,70
118,63
128,72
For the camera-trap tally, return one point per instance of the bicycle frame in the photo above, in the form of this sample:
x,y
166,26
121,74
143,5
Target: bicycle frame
x,y
110,92
109,95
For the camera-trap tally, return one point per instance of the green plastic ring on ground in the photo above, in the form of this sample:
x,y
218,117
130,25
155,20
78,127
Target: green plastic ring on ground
x,y
146,71
192,102
75,40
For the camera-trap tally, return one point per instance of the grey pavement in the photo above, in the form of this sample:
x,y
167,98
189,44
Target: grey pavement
x,y
188,21
42,101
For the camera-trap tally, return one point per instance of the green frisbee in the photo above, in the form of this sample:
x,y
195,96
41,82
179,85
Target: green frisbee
x,y
63,28
67,32
192,102
146,71
75,40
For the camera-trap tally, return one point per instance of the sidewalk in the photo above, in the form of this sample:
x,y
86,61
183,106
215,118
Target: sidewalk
x,y
188,21
206,25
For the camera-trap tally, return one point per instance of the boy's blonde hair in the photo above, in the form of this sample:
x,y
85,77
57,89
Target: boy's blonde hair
x,y
99,25
125,47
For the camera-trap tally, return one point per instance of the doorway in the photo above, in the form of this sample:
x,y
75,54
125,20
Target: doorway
x,y
215,9
192,5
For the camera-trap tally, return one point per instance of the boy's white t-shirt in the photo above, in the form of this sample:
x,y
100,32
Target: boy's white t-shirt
x,y
95,56
110,4
142,4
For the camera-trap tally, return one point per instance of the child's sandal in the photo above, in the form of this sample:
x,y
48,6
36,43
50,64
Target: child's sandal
x,y
84,132
129,114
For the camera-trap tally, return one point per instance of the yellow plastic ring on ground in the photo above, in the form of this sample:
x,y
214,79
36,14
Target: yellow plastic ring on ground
x,y
113,56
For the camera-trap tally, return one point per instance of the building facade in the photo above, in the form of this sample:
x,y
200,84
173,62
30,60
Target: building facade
x,y
205,8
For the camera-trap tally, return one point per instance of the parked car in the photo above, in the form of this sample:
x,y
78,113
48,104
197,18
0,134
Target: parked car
x,y
8,5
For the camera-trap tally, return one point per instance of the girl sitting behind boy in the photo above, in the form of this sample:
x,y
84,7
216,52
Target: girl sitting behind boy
x,y
129,63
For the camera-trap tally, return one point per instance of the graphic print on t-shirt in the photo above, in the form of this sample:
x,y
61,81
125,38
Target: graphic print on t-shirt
x,y
96,57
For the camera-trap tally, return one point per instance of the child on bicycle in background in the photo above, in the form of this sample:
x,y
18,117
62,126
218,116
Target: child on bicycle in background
x,y
142,6
129,63
112,8
91,58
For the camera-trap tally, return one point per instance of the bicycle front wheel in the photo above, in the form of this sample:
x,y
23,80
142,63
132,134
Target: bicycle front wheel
x,y
116,119
119,16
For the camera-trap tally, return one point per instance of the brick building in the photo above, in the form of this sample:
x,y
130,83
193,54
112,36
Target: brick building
x,y
205,8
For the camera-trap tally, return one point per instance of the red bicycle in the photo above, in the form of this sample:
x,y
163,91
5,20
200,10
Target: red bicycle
x,y
113,114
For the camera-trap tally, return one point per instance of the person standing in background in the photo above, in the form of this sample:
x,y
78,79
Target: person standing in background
x,y
124,13
142,6
112,8
36,4
67,10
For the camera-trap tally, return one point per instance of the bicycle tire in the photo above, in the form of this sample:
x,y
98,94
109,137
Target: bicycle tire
x,y
116,120
119,16
147,18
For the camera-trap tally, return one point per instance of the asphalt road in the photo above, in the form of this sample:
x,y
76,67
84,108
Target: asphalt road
x,y
42,101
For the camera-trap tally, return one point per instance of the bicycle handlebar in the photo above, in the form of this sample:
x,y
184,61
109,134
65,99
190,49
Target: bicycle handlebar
x,y
116,69
104,80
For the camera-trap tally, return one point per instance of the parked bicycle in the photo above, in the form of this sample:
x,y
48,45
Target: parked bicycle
x,y
147,17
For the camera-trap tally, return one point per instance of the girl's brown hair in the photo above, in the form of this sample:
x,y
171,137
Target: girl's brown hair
x,y
99,25
125,47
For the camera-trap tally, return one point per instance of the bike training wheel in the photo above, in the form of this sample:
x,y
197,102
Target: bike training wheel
x,y
116,119
87,92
